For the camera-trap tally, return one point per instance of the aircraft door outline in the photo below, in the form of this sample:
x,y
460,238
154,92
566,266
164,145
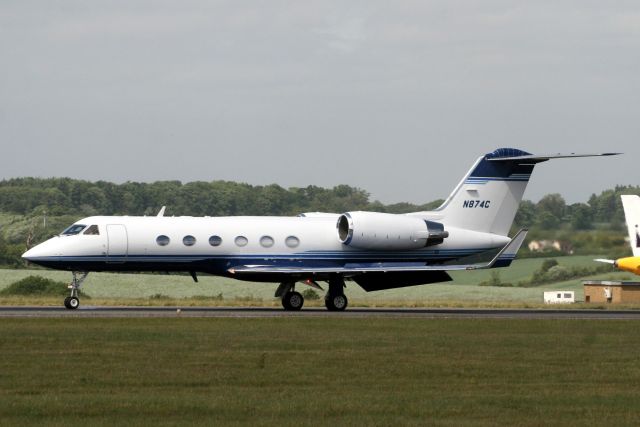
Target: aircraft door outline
x,y
117,243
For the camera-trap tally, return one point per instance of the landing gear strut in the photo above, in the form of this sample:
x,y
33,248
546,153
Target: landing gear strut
x,y
72,302
336,300
291,300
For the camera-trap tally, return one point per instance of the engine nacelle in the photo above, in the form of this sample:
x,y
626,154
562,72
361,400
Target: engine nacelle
x,y
381,231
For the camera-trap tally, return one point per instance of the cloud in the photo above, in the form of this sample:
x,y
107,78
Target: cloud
x,y
357,87
344,35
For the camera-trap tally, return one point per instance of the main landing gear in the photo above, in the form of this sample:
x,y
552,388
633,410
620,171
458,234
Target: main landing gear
x,y
72,302
335,299
291,300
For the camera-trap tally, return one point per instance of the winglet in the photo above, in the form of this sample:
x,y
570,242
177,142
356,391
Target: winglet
x,y
161,213
508,253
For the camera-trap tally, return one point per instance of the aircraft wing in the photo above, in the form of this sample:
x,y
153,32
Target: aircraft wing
x,y
502,259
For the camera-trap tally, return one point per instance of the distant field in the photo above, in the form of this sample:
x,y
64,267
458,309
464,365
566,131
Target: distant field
x,y
464,287
329,371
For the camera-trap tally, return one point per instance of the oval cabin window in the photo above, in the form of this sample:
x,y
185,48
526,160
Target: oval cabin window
x,y
241,241
266,241
215,240
189,240
162,240
292,242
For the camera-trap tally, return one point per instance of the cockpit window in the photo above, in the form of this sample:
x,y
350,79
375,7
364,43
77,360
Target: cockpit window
x,y
73,230
93,231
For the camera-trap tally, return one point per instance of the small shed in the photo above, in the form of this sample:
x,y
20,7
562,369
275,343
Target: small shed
x,y
605,291
559,297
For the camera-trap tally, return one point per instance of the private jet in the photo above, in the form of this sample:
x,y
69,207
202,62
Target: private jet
x,y
377,251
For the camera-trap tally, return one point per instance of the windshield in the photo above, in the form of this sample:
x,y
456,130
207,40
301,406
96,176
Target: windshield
x,y
74,229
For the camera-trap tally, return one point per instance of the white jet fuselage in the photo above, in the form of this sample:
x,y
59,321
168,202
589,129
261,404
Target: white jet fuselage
x,y
218,244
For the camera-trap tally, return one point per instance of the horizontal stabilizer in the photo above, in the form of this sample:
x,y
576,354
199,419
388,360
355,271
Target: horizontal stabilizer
x,y
606,261
539,158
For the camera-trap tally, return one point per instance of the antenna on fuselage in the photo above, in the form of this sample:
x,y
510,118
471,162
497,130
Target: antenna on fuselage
x,y
161,213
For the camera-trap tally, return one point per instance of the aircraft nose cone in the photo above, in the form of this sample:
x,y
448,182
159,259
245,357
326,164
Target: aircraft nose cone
x,y
30,254
44,249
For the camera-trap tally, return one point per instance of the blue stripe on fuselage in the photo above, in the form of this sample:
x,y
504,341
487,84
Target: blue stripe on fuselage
x,y
220,263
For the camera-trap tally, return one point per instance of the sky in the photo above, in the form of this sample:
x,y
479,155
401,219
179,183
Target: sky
x,y
397,98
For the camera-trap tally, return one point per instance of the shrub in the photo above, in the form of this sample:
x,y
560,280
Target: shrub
x,y
310,294
558,273
495,280
38,286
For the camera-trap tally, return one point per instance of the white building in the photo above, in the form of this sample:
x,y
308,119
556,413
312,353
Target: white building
x,y
559,297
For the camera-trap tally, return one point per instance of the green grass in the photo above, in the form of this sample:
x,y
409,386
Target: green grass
x,y
297,371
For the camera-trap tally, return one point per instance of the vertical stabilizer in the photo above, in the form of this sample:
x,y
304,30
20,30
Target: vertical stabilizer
x,y
631,205
487,198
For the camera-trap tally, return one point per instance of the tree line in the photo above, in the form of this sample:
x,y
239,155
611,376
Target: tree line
x,y
552,212
33,209
66,196
59,196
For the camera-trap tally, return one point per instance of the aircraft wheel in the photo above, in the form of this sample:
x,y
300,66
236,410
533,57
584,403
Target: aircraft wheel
x,y
292,301
71,303
336,302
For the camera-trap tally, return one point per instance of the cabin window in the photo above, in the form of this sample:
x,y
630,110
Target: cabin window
x,y
241,241
73,230
189,240
215,240
92,231
162,240
266,241
292,241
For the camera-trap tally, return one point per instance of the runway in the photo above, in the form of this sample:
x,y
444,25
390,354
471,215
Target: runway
x,y
259,312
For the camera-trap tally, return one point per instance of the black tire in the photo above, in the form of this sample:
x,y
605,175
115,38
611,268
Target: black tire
x,y
66,302
74,303
292,301
285,302
336,302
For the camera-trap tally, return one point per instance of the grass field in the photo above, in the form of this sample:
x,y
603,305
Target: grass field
x,y
138,288
301,371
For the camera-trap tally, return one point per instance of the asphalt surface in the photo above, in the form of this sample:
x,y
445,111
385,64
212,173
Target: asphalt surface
x,y
253,312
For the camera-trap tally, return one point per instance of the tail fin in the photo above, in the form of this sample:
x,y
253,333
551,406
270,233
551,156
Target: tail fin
x,y
631,205
488,197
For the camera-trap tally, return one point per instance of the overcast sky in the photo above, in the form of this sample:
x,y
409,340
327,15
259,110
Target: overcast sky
x,y
397,98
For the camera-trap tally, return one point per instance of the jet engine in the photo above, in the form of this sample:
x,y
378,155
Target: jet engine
x,y
382,231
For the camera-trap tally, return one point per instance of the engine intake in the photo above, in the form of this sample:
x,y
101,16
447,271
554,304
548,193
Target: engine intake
x,y
382,231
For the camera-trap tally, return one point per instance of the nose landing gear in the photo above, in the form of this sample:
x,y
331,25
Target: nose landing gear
x,y
72,302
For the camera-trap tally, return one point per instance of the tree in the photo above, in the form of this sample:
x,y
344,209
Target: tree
x,y
554,204
526,215
547,220
581,217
